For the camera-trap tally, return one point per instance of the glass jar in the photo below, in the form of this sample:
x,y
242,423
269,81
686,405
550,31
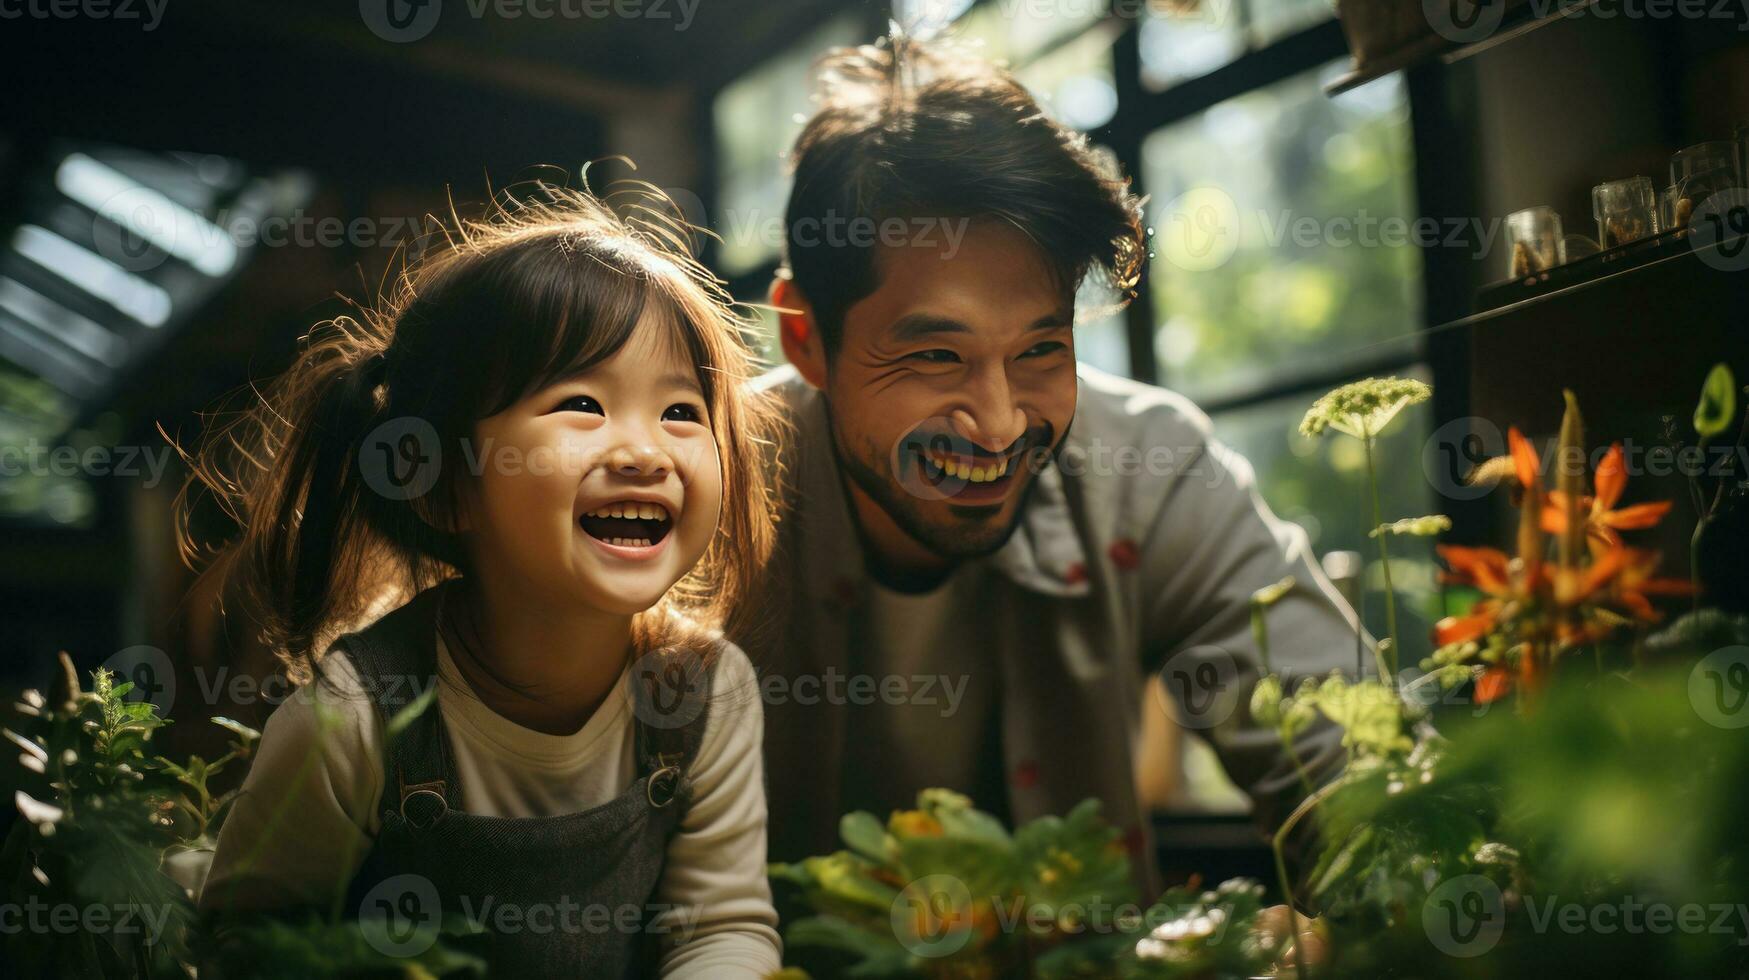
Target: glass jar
x,y
1626,211
1674,209
1536,240
1705,169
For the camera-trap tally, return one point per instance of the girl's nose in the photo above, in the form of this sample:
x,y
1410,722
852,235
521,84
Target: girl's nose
x,y
632,460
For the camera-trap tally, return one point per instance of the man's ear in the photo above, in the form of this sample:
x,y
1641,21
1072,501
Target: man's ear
x,y
800,335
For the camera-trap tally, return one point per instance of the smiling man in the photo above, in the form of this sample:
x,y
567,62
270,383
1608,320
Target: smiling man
x,y
965,502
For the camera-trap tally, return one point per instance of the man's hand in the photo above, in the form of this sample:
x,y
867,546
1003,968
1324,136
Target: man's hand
x,y
1274,922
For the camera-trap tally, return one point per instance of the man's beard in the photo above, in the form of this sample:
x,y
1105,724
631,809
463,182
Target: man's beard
x,y
973,533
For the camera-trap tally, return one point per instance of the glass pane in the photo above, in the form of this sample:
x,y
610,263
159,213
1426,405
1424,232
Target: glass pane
x,y
1101,330
1320,484
1016,32
1272,20
924,19
1074,82
1177,46
1283,242
757,118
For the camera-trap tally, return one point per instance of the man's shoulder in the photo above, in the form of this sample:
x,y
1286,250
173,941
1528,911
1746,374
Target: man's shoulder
x,y
1112,408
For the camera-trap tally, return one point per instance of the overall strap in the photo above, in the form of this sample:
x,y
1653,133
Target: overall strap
x,y
396,660
671,694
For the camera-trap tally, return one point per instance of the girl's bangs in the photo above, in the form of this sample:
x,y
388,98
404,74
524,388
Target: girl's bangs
x,y
568,306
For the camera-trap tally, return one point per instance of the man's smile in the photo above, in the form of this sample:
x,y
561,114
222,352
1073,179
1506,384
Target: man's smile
x,y
941,466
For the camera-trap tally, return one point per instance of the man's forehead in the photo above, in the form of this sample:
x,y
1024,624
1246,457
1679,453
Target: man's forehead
x,y
998,281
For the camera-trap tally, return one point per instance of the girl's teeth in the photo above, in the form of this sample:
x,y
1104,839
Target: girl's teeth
x,y
648,512
630,542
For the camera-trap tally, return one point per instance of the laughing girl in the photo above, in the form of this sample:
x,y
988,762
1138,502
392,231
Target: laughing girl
x,y
543,438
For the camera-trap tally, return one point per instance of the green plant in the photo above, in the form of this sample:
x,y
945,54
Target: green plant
x,y
945,891
95,865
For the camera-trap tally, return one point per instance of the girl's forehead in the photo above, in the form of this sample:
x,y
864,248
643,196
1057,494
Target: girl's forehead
x,y
660,341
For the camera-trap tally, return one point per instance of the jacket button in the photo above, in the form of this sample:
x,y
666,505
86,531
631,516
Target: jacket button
x,y
1125,554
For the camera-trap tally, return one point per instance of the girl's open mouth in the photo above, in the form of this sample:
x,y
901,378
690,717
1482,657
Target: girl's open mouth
x,y
628,524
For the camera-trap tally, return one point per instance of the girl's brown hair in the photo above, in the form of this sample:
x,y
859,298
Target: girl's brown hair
x,y
549,282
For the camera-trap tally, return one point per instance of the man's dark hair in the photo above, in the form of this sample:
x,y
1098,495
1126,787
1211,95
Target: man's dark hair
x,y
906,131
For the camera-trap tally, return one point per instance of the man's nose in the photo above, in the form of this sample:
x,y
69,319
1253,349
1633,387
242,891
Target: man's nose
x,y
990,417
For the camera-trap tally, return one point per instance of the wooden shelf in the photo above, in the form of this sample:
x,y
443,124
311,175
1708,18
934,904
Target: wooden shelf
x,y
1633,346
1517,22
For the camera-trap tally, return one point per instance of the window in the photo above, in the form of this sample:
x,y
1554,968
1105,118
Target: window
x,y
757,118
1273,213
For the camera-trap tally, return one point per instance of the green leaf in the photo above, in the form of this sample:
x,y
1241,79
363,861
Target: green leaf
x,y
1718,402
243,732
1421,527
865,835
1266,701
406,716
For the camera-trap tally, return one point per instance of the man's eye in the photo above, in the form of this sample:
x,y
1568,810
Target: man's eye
x,y
682,412
935,356
580,403
1048,347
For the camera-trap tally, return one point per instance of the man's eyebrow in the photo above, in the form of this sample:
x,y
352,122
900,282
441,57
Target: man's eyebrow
x,y
1052,321
916,326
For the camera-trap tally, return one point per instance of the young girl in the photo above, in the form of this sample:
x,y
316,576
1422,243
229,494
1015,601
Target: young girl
x,y
545,440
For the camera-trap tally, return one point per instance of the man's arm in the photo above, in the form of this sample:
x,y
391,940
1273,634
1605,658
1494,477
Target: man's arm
x,y
1212,545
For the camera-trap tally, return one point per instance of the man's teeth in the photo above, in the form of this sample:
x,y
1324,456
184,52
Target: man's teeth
x,y
964,470
648,512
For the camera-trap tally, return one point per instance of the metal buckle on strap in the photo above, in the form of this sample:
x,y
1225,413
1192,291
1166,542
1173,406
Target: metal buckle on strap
x,y
434,789
664,783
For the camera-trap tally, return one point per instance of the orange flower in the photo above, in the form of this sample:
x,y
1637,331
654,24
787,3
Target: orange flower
x,y
1602,519
1493,685
1486,569
1636,582
915,823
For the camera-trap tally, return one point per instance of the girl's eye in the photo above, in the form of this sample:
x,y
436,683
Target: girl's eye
x,y
936,356
1048,347
682,412
580,403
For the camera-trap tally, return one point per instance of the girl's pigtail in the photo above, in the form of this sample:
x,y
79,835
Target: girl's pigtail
x,y
287,473
322,522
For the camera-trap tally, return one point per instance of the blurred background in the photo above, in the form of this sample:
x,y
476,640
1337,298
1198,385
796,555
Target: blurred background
x,y
187,185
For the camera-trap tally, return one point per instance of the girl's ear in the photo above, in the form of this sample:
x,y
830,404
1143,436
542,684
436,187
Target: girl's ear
x,y
450,512
798,332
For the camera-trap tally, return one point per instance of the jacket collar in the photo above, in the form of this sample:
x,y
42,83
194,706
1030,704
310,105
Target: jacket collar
x,y
1044,555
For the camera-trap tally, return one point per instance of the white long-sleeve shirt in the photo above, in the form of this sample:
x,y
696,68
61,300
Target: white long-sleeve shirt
x,y
310,806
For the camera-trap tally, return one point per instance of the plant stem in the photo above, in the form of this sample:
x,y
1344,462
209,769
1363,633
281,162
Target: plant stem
x,y
1287,893
1378,520
1294,755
